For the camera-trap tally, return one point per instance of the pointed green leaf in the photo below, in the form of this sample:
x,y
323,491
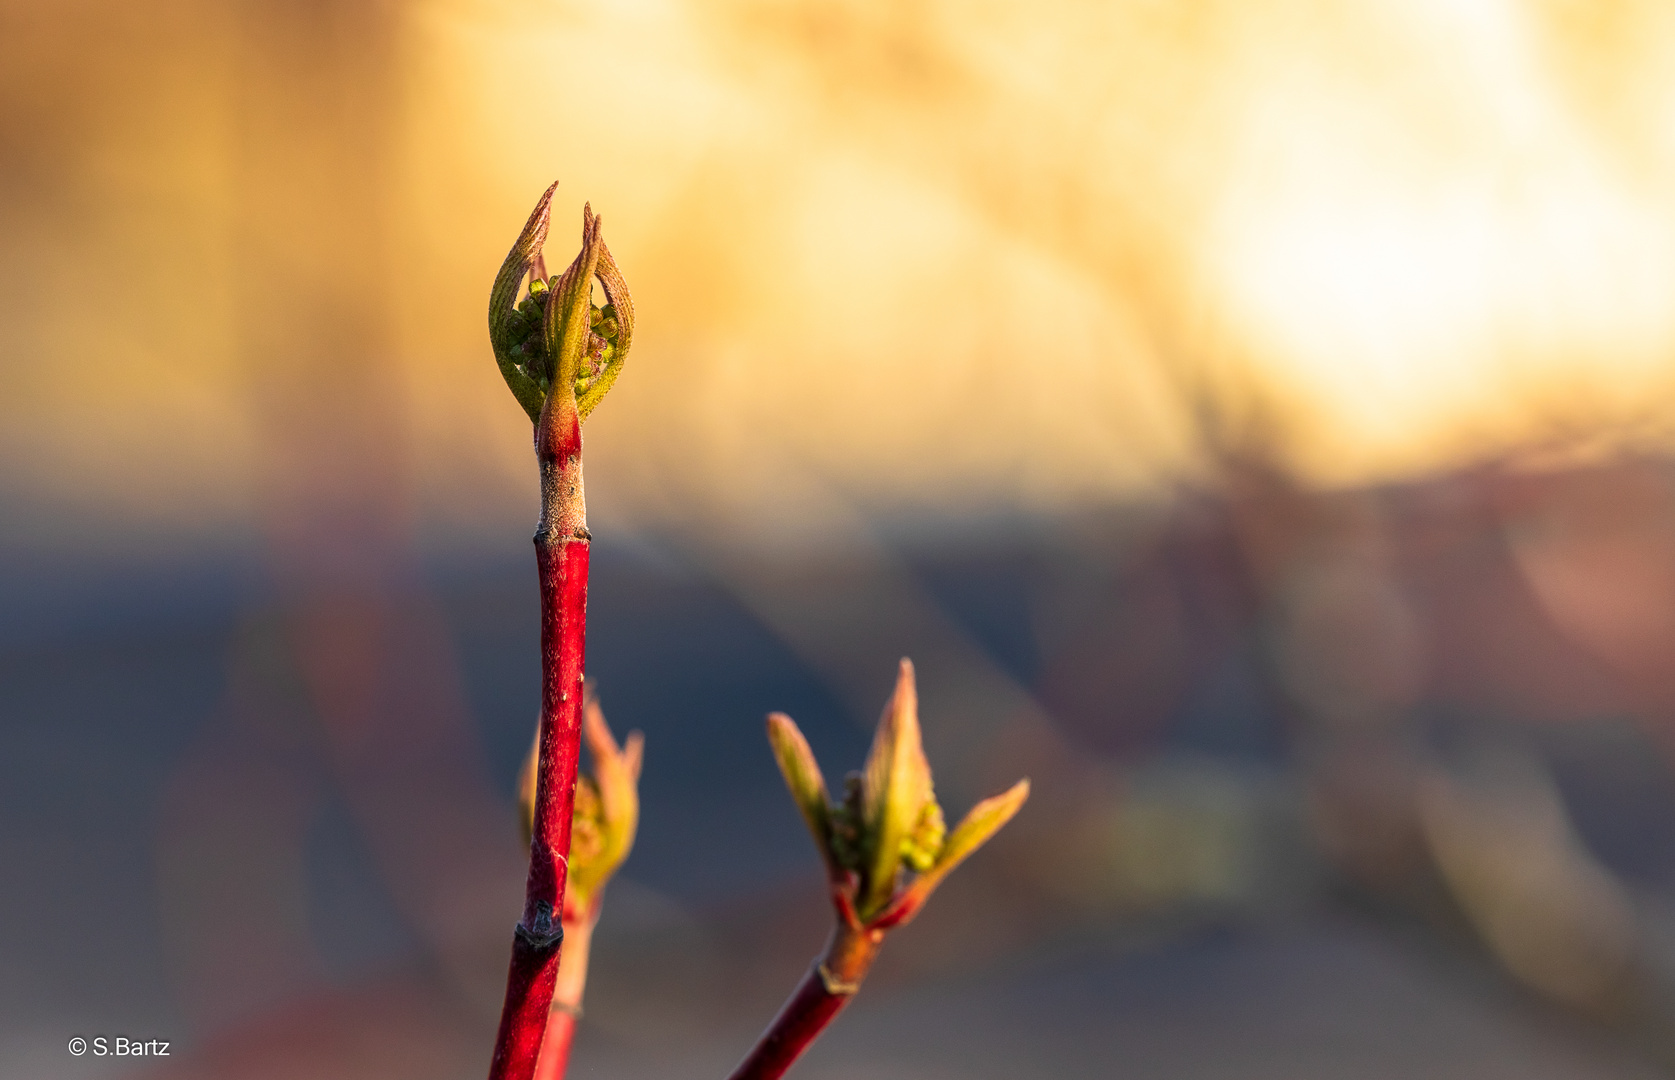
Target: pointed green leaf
x,y
503,299
618,779
983,821
895,786
808,786
616,293
567,323
614,813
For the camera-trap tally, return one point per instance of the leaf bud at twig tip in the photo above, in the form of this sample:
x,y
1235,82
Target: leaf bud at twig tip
x,y
885,843
554,340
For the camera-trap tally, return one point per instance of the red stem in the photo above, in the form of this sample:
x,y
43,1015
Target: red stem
x,y
822,994
563,570
561,554
799,1023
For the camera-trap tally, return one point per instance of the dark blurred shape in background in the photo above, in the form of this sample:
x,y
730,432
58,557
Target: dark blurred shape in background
x,y
1251,418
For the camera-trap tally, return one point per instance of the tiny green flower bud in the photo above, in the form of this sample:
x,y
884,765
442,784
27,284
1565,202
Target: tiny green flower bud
x,y
920,847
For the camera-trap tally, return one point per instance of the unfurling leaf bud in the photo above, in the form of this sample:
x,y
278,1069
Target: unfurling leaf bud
x,y
555,339
888,825
808,787
920,847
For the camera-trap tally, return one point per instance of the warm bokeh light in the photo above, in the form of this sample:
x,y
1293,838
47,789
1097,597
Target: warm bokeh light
x,y
923,255
1435,250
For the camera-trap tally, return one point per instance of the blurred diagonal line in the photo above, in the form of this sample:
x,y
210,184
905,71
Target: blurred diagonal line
x,y
852,611
1503,841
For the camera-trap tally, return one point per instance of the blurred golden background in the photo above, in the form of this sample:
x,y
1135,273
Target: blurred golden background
x,y
1253,418
987,257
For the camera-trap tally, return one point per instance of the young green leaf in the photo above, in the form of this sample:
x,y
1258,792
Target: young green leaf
x,y
504,327
616,295
981,822
808,786
568,323
895,786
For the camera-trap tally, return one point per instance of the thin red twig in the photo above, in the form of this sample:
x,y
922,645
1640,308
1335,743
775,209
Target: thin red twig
x,y
822,994
561,551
